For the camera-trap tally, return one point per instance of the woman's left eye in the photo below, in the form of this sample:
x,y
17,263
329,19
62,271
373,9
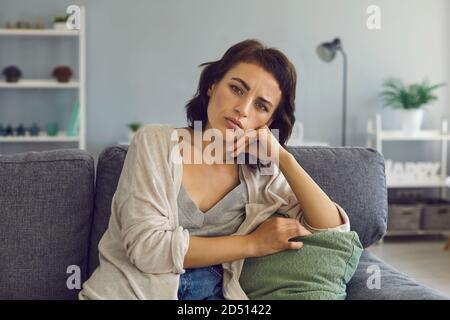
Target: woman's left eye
x,y
262,106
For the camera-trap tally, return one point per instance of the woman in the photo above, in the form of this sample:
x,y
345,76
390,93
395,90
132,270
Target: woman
x,y
180,228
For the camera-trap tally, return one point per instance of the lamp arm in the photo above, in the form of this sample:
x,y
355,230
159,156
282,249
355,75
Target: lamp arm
x,y
344,97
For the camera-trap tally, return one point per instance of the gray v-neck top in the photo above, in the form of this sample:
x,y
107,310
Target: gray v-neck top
x,y
224,218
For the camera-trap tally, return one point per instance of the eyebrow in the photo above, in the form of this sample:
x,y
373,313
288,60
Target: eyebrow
x,y
247,87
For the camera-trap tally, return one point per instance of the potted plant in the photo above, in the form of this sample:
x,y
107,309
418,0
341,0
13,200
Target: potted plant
x,y
411,100
133,127
59,22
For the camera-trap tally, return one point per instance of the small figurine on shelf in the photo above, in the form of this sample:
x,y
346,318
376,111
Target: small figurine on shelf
x,y
39,25
52,129
12,73
62,73
34,130
20,130
24,25
9,130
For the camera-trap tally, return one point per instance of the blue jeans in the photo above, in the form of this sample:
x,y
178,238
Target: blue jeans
x,y
201,284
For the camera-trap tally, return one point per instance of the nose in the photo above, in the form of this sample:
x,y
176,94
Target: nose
x,y
243,108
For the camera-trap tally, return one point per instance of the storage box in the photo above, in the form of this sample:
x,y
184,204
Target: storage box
x,y
404,215
436,214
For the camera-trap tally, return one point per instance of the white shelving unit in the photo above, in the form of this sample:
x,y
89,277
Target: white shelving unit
x,y
39,84
375,138
79,84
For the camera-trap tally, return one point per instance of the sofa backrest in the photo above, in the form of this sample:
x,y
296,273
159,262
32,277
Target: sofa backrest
x,y
46,209
354,177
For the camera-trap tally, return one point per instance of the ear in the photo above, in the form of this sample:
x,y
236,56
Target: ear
x,y
210,89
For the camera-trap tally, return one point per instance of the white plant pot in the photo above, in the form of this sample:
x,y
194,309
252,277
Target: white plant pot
x,y
411,120
297,133
131,134
59,26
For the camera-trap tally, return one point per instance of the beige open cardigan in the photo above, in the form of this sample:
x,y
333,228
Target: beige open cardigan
x,y
142,251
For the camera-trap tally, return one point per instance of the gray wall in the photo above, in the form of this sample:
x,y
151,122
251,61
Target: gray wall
x,y
143,58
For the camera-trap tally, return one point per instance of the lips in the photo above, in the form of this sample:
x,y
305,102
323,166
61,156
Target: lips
x,y
235,121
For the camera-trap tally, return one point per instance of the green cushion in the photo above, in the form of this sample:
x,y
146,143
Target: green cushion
x,y
319,270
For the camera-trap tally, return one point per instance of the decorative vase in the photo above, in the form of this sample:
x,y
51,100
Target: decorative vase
x,y
34,130
62,73
411,120
12,73
297,133
52,129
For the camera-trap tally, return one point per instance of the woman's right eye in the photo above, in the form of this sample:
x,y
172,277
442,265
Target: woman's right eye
x,y
236,89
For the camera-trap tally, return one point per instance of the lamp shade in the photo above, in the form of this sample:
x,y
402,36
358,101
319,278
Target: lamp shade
x,y
327,50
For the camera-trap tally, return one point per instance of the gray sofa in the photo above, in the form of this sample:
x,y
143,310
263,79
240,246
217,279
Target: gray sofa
x,y
54,208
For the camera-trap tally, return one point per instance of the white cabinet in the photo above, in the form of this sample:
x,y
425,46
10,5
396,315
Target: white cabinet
x,y
429,176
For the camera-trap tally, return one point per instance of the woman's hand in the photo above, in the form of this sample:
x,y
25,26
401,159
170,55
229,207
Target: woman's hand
x,y
260,143
273,236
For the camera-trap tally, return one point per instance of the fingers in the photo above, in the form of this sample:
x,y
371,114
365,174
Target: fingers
x,y
295,228
295,245
294,238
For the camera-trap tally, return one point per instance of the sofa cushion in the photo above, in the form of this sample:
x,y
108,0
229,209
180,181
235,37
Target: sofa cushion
x,y
318,271
46,204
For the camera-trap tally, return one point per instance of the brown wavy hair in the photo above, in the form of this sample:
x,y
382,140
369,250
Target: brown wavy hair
x,y
270,59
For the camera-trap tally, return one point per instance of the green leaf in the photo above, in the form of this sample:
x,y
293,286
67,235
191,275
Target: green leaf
x,y
396,95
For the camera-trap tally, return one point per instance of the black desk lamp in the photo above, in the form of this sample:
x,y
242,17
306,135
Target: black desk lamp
x,y
327,51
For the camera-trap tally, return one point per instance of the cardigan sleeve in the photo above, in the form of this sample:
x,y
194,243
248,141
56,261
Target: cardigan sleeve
x,y
145,203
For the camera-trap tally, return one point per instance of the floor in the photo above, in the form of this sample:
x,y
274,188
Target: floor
x,y
423,259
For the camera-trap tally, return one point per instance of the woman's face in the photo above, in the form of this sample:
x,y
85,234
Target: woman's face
x,y
248,94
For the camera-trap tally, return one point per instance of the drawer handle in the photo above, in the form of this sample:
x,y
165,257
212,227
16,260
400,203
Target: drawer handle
x,y
407,213
442,211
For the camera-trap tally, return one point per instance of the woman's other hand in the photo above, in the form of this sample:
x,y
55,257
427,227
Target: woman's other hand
x,y
273,236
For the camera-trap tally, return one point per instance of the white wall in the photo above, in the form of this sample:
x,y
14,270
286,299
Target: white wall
x,y
143,58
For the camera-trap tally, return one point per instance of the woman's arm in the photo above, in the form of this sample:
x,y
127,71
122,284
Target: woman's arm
x,y
269,237
319,211
208,251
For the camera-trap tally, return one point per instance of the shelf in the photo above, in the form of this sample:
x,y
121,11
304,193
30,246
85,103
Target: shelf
x,y
423,184
38,84
307,143
61,137
39,32
396,135
418,185
415,232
